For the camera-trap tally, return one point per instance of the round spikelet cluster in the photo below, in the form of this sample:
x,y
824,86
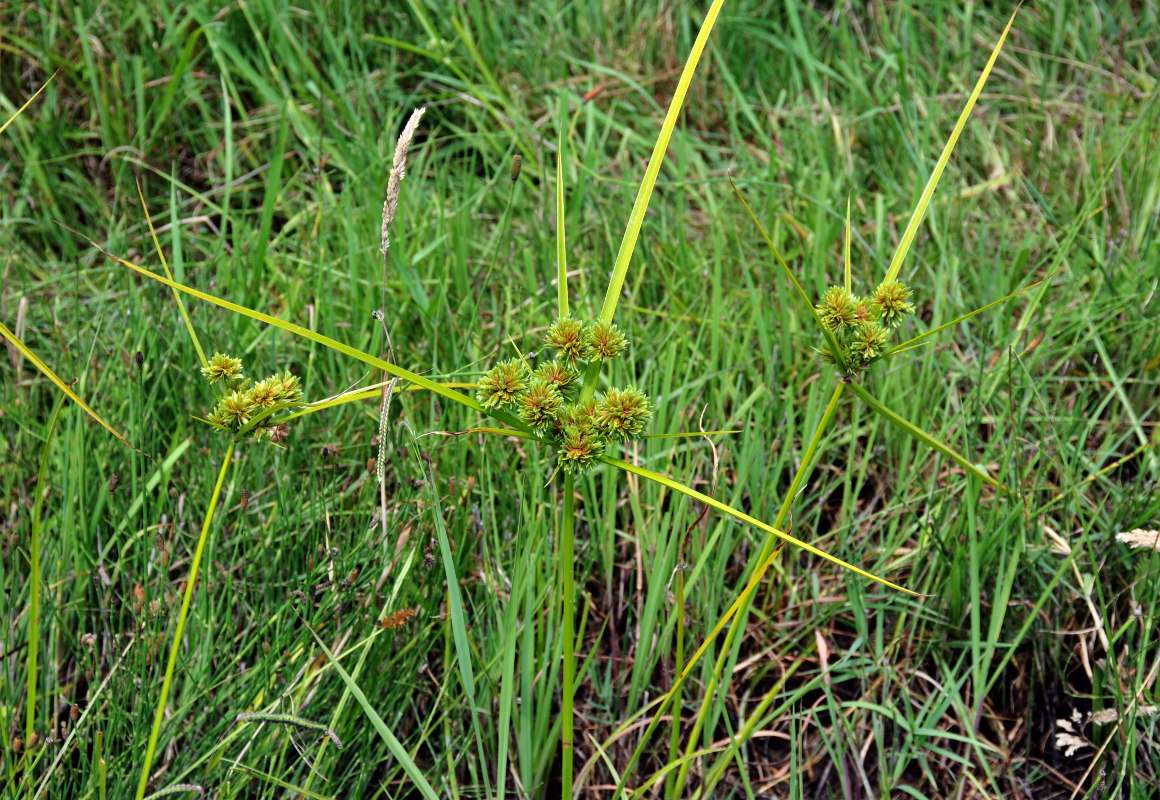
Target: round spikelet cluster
x,y
547,399
862,325
244,401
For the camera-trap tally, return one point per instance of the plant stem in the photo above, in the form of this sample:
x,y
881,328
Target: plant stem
x,y
566,560
34,582
190,582
739,623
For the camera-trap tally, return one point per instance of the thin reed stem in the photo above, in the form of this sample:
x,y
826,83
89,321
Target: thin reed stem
x,y
34,583
190,582
566,560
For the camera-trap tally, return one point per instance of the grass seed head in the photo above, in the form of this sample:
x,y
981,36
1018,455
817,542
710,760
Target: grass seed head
x,y
1140,538
517,162
502,384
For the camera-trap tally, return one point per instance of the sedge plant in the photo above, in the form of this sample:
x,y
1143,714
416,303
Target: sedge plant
x,y
576,428
557,405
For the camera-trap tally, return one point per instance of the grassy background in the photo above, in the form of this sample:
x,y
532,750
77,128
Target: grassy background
x,y
261,134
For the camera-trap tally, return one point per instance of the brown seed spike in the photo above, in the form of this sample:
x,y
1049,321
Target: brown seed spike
x,y
114,479
517,163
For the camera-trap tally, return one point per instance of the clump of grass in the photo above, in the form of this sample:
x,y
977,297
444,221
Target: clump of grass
x,y
243,409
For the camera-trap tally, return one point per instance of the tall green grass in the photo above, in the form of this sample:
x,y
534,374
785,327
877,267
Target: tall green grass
x,y
834,685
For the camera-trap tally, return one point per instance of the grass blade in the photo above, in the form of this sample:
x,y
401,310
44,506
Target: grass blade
x,y
561,251
932,183
636,216
168,274
394,745
34,578
717,504
326,341
52,376
182,616
830,340
27,102
918,433
909,343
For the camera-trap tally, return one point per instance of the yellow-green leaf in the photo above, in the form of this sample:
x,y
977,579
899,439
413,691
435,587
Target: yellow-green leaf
x,y
940,165
52,376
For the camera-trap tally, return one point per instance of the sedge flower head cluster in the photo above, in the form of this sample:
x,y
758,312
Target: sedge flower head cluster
x,y
248,405
862,326
546,398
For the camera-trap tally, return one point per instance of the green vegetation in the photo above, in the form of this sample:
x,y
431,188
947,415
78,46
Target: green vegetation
x,y
440,633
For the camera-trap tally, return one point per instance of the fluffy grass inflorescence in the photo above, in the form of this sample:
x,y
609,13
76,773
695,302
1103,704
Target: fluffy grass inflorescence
x,y
580,431
861,327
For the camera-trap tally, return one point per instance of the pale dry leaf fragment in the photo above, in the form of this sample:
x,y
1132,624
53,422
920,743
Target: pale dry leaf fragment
x,y
1066,738
1140,538
1069,743
1105,716
1059,545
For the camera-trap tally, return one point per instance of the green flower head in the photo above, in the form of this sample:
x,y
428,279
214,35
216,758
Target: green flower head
x,y
290,390
502,384
837,309
890,302
622,413
265,394
568,338
538,405
579,450
234,410
581,416
869,341
558,374
222,367
605,341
